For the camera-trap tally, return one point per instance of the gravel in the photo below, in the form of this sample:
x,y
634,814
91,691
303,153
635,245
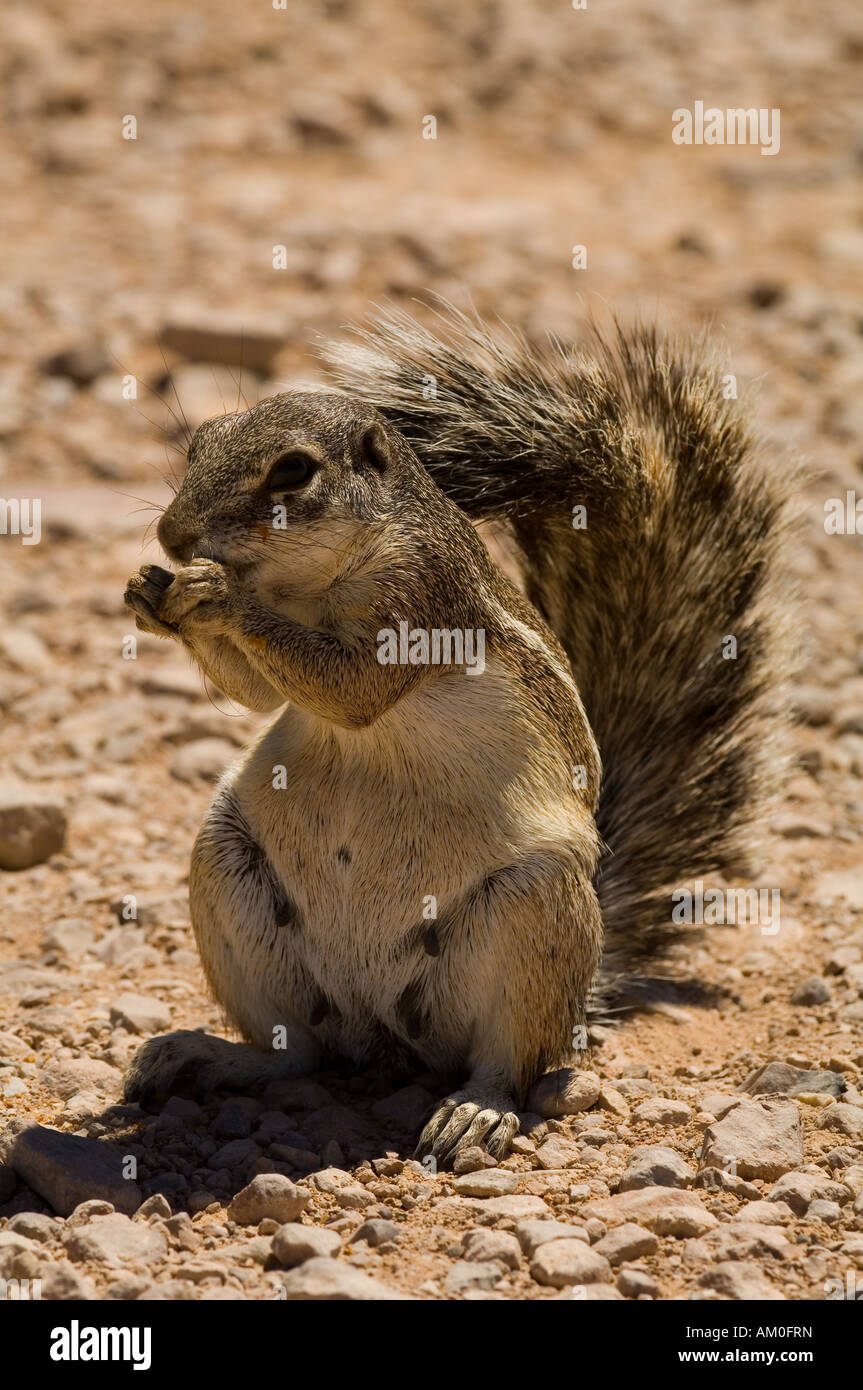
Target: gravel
x,y
756,1140
563,1262
294,1244
324,1279
752,1084
269,1195
654,1165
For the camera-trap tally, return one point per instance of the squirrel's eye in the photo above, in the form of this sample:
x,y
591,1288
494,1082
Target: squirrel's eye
x,y
290,471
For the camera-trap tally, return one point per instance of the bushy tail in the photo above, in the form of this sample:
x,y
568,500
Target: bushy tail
x,y
664,590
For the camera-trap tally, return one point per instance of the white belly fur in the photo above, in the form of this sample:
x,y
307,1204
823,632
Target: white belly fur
x,y
444,789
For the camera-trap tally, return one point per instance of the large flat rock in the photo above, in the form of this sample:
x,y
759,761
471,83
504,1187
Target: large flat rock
x,y
66,1169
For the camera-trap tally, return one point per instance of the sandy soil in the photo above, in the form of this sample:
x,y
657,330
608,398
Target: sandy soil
x,y
260,129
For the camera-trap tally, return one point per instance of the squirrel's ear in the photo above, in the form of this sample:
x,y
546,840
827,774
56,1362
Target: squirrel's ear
x,y
372,448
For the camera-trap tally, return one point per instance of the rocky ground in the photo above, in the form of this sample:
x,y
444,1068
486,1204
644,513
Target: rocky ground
x,y
279,182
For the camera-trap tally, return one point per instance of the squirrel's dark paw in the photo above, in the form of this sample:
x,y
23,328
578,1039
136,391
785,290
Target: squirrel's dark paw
x,y
467,1118
144,593
169,1064
193,1064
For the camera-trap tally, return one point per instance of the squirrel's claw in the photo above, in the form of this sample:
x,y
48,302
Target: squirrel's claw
x,y
462,1121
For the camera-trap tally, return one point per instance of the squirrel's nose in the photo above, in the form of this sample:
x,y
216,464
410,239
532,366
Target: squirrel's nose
x,y
175,537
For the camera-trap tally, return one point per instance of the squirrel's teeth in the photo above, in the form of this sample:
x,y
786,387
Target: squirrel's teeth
x,y
206,552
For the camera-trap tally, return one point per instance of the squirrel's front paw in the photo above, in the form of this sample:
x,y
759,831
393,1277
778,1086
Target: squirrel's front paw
x,y
200,596
144,594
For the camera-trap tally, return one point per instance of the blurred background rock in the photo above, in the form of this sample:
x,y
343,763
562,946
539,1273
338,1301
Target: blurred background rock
x,y
302,128
278,184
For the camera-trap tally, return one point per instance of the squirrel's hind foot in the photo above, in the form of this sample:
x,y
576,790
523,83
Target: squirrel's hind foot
x,y
475,1115
195,1064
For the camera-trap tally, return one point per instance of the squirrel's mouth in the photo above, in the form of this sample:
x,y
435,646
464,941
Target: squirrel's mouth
x,y
207,552
238,568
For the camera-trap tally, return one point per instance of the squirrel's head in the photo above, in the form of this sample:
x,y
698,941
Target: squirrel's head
x,y
289,489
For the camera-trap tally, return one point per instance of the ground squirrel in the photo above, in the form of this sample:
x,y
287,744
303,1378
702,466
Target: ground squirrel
x,y
419,861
